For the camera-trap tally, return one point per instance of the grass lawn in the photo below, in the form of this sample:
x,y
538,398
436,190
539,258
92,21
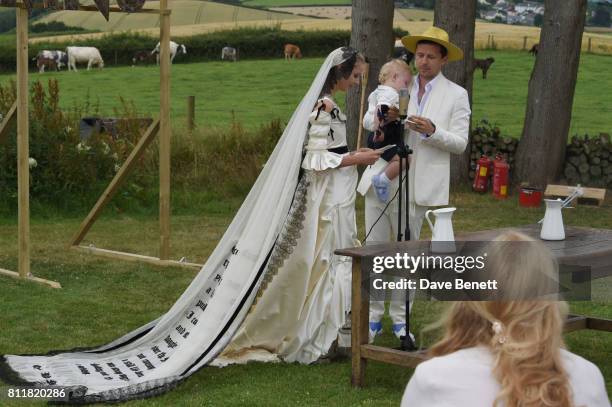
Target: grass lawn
x,y
255,91
103,299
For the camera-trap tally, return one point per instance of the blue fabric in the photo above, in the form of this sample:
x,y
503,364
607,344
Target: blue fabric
x,y
376,326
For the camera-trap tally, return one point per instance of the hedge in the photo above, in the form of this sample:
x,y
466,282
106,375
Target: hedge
x,y
250,42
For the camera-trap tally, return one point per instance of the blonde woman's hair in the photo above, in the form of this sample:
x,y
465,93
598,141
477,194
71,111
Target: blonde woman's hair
x,y
527,348
392,67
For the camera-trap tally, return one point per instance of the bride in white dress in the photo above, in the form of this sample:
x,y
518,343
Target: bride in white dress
x,y
271,289
300,312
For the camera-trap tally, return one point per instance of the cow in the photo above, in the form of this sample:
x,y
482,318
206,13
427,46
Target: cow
x,y
484,65
174,49
292,51
229,53
43,59
42,63
534,50
142,56
91,55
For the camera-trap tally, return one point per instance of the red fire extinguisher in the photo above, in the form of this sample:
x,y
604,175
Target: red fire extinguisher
x,y
500,178
481,178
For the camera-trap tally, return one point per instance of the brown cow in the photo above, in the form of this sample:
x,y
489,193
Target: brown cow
x,y
43,62
292,51
534,50
484,65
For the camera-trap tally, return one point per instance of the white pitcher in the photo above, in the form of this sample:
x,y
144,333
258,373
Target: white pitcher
x,y
442,236
552,225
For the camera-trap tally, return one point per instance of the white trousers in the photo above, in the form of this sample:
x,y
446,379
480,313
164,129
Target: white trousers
x,y
385,230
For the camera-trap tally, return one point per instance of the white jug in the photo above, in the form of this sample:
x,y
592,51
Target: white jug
x,y
442,236
552,225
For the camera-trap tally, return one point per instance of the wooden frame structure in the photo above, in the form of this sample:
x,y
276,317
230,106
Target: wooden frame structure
x,y
161,126
19,111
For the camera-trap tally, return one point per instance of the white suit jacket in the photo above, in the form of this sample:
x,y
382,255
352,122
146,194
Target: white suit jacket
x,y
448,107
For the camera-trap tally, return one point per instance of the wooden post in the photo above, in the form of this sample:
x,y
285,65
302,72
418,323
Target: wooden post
x,y
23,155
164,139
360,315
364,85
589,47
7,121
190,113
524,43
116,183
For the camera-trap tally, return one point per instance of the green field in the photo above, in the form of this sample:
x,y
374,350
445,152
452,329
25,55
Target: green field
x,y
184,12
103,299
255,91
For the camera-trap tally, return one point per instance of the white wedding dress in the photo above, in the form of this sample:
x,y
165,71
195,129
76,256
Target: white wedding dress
x,y
299,314
271,288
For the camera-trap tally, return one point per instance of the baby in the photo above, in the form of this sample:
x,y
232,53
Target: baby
x,y
394,75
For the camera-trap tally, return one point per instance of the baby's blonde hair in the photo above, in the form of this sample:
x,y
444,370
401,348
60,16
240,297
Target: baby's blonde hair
x,y
392,67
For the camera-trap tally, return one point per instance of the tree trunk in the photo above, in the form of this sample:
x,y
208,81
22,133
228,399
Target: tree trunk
x,y
458,18
541,151
372,35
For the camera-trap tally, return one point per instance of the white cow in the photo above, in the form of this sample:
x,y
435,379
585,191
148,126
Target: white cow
x,y
91,55
174,49
229,53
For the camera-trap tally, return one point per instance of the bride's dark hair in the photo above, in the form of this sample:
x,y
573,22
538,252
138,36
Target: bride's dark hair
x,y
343,70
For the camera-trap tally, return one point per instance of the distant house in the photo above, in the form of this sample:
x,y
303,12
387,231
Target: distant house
x,y
537,8
501,4
494,15
527,18
513,18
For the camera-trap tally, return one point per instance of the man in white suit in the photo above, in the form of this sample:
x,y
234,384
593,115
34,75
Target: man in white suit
x,y
438,122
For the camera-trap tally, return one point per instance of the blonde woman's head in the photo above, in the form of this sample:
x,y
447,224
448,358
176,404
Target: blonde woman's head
x,y
525,336
395,73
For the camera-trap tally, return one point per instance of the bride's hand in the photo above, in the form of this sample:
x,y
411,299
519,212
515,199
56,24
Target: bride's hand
x,y
366,156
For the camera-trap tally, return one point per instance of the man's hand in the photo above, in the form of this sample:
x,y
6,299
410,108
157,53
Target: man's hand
x,y
421,124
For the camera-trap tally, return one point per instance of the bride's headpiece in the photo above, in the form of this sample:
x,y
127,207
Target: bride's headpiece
x,y
343,54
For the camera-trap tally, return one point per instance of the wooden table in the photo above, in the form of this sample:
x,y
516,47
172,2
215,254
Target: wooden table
x,y
590,247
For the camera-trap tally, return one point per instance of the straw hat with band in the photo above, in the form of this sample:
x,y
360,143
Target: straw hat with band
x,y
437,35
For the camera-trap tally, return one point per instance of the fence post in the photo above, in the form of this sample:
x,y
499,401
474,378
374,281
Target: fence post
x,y
589,48
524,43
190,113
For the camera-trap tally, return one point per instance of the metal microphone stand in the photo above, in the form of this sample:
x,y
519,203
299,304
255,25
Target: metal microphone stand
x,y
403,151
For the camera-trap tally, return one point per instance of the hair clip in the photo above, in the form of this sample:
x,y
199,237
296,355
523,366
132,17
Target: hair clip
x,y
498,329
